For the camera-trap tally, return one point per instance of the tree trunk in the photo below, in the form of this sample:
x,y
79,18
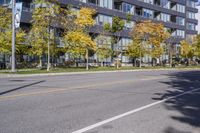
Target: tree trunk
x,y
87,61
160,61
4,61
117,61
101,63
135,62
40,61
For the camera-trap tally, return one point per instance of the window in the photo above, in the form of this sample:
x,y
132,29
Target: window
x,y
83,1
148,1
165,17
191,3
128,8
147,13
106,3
180,8
191,26
103,19
180,20
5,1
180,33
165,4
191,15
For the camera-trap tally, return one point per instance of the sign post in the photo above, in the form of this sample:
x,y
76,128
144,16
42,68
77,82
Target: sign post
x,y
16,16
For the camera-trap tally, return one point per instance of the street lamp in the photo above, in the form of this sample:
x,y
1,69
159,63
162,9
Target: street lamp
x,y
13,37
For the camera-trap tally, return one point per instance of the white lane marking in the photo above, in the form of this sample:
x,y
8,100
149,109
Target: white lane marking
x,y
130,112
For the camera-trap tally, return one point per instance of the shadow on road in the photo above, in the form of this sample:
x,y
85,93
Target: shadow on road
x,y
187,105
21,87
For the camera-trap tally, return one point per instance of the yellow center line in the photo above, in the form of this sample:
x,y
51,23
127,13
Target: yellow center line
x,y
3,98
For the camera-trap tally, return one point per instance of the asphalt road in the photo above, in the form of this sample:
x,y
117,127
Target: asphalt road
x,y
121,102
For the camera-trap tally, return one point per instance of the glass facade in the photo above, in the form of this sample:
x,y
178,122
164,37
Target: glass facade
x,y
165,17
103,19
180,8
165,4
128,8
148,13
106,3
191,3
191,26
180,21
190,15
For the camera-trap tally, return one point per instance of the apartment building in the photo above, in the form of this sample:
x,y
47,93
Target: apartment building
x,y
176,15
198,17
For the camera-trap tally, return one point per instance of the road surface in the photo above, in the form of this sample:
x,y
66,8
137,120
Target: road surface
x,y
120,102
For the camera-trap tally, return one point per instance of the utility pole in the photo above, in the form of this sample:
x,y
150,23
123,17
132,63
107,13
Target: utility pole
x,y
13,37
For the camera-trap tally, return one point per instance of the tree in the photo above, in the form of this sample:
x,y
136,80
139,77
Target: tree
x,y
170,46
135,50
43,18
103,48
6,34
115,28
80,43
197,45
154,34
79,39
187,50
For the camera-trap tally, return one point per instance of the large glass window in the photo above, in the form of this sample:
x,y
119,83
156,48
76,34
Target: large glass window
x,y
103,19
83,1
191,3
165,17
191,15
4,1
165,4
128,8
180,20
180,33
180,8
147,13
148,1
191,26
106,3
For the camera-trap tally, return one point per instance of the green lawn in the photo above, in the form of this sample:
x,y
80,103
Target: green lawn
x,y
82,69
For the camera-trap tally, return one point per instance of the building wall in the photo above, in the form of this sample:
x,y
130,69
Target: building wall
x,y
198,17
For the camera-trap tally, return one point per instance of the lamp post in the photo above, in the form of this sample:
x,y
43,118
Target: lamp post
x,y
13,37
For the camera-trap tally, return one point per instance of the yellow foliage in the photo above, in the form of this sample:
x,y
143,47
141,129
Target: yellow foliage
x,y
153,34
85,17
81,40
187,50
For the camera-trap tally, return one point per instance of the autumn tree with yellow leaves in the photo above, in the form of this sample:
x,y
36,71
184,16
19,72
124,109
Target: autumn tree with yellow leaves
x,y
187,50
44,15
153,34
79,40
197,46
135,50
6,35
